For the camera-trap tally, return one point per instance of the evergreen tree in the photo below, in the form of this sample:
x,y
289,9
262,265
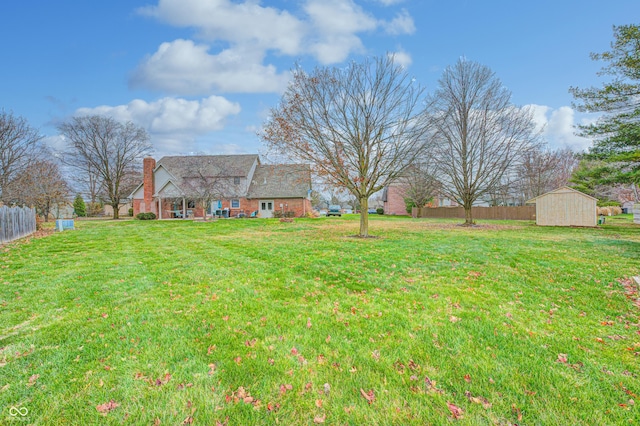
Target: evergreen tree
x,y
79,206
616,134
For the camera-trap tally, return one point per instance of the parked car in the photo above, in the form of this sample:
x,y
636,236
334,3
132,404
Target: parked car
x,y
334,210
372,211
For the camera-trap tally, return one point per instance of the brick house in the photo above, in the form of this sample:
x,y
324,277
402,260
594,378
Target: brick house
x,y
393,201
227,185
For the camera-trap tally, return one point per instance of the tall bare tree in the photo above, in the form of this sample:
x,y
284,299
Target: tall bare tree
x,y
102,145
542,170
19,146
360,126
478,134
40,185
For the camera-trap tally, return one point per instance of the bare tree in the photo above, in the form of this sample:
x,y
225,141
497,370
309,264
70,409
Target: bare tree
x,y
112,150
418,184
478,134
543,170
359,126
40,185
205,188
19,146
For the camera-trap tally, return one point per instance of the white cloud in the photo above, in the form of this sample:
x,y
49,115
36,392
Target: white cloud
x,y
390,2
173,124
401,24
401,58
185,68
329,30
236,22
558,127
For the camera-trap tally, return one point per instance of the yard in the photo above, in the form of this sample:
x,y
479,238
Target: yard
x,y
244,322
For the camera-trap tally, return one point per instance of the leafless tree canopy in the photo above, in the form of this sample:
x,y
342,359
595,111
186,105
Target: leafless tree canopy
x,y
542,171
19,146
40,185
478,134
418,184
108,148
358,126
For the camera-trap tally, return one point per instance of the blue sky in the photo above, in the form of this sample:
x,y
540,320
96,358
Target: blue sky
x,y
201,75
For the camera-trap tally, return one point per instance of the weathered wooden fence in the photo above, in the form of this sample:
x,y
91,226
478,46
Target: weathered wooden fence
x,y
485,213
16,222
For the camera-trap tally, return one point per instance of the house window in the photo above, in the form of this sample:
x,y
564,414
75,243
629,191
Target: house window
x,y
236,181
235,204
191,204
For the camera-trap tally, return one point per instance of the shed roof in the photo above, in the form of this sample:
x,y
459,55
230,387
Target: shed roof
x,y
561,190
281,181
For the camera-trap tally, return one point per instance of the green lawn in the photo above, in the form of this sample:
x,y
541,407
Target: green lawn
x,y
262,322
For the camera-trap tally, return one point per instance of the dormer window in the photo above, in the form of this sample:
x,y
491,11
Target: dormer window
x,y
236,181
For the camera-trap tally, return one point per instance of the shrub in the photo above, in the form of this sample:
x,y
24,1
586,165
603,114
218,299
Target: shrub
x,y
615,210
312,214
79,206
608,203
146,216
131,211
380,210
604,211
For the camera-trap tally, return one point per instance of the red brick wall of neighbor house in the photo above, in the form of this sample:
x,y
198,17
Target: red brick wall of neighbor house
x,y
148,164
136,206
395,202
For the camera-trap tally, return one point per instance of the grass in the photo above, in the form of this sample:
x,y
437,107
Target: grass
x,y
262,322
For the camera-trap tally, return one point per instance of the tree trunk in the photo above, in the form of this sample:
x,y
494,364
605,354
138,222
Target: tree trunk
x,y
116,210
468,218
364,217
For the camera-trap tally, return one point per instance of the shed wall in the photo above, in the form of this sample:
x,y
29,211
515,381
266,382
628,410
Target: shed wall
x,y
565,209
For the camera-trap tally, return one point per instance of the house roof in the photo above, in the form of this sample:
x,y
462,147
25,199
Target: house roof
x,y
193,175
208,165
280,181
561,190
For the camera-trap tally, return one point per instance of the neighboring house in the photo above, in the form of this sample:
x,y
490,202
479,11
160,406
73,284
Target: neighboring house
x,y
565,207
229,185
123,210
393,201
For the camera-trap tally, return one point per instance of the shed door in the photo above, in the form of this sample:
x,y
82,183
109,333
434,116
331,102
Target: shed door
x,y
266,208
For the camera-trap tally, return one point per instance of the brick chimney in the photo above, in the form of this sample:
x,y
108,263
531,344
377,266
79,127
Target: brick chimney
x,y
148,164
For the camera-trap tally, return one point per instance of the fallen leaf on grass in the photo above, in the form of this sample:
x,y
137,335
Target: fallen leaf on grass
x,y
210,349
478,399
107,406
212,369
164,380
188,421
456,412
562,358
467,378
319,419
319,403
308,322
369,396
285,388
516,412
294,351
32,379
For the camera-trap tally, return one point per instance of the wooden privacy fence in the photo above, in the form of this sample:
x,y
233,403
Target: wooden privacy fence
x,y
16,222
486,213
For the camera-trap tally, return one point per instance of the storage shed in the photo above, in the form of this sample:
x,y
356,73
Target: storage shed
x,y
565,207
